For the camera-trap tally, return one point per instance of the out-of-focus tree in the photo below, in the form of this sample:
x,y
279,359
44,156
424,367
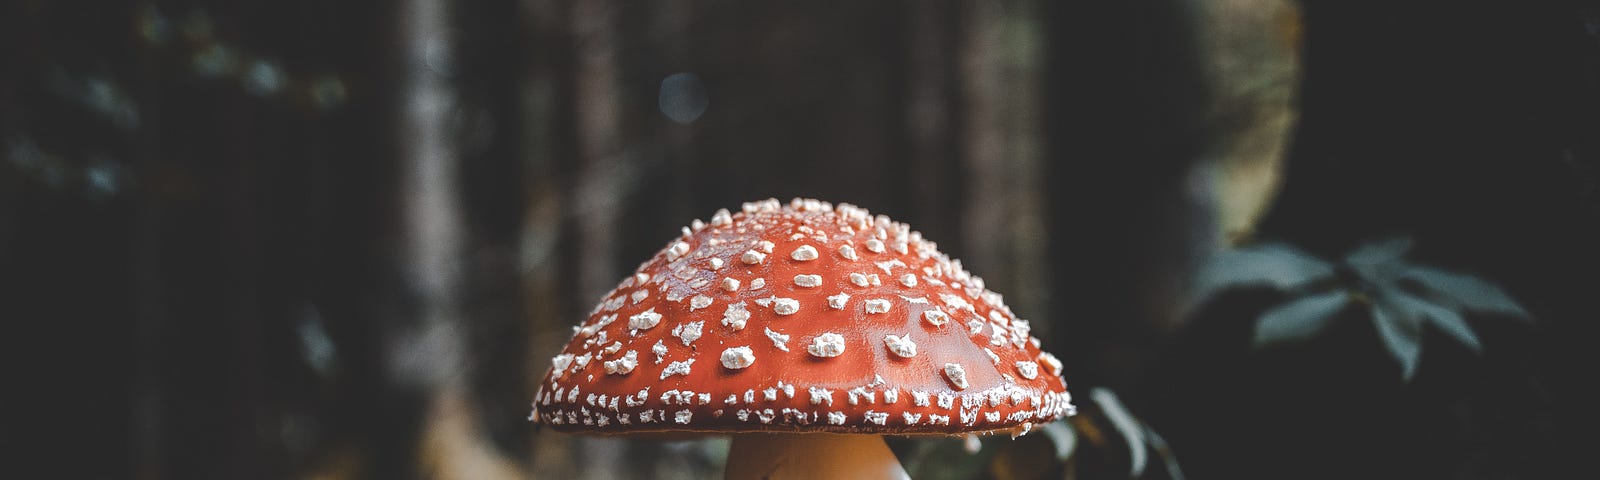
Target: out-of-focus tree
x,y
341,240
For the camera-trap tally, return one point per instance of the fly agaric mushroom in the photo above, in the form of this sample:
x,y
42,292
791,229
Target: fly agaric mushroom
x,y
789,325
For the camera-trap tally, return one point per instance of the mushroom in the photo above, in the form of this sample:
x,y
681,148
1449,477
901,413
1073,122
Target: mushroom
x,y
767,325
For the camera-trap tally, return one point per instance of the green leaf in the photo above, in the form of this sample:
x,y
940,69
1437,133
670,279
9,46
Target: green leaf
x,y
1466,291
1401,335
1063,437
1131,429
1378,260
1446,319
1273,264
1299,319
1164,452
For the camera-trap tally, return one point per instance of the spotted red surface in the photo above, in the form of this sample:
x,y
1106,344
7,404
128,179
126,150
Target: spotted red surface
x,y
867,388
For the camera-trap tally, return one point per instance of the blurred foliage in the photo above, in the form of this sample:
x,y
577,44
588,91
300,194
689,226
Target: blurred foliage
x,y
202,216
1400,296
1104,440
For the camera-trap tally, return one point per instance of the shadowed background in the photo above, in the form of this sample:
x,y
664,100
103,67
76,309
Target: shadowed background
x,y
341,240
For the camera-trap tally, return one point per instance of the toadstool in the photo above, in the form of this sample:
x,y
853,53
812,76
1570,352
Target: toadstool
x,y
772,324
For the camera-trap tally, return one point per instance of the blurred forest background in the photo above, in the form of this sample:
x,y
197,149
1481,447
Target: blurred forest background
x,y
313,239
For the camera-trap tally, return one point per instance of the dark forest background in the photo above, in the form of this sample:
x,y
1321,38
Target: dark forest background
x,y
341,239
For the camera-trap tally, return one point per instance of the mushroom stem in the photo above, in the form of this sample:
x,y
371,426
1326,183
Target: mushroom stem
x,y
811,455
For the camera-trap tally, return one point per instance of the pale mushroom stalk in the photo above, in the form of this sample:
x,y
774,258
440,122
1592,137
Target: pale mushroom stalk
x,y
811,455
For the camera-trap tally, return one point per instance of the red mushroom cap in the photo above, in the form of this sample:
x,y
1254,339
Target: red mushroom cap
x,y
806,317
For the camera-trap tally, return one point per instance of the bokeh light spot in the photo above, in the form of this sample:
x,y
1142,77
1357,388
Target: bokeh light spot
x,y
683,97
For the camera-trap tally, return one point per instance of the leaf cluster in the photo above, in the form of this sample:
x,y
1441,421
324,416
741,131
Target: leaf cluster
x,y
1400,296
